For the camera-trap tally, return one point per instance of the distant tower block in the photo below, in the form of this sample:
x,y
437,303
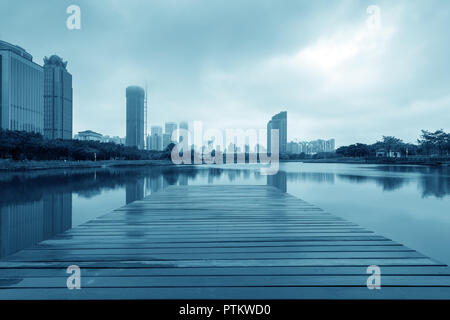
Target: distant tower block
x,y
135,117
170,127
183,126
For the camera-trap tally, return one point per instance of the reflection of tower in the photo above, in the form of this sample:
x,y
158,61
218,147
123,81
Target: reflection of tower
x,y
57,213
134,191
231,175
165,183
156,183
24,224
278,181
183,180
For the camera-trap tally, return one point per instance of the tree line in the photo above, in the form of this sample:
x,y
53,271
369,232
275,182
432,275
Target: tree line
x,y
435,143
21,145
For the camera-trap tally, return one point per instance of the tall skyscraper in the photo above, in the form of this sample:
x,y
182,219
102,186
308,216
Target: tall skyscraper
x,y
21,90
135,117
278,121
169,129
57,99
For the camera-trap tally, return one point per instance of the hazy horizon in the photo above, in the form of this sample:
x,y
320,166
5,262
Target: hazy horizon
x,y
236,64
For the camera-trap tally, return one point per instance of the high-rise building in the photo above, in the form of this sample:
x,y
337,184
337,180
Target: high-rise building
x,y
154,141
135,117
278,121
57,99
21,90
156,130
166,140
170,127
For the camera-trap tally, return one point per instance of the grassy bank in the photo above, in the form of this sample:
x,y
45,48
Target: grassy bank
x,y
10,165
408,161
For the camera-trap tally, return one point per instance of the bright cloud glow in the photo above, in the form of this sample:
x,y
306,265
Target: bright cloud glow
x,y
334,50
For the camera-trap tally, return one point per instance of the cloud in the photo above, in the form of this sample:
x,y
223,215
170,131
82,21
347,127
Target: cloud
x,y
235,64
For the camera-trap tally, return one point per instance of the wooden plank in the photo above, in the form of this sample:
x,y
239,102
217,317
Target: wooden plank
x,y
200,250
64,256
209,242
221,271
77,244
225,263
226,281
229,293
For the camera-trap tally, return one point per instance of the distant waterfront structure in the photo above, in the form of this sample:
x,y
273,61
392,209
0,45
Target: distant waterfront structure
x,y
170,127
89,135
166,140
154,140
114,139
278,121
21,90
156,130
58,107
311,147
183,126
135,117
159,140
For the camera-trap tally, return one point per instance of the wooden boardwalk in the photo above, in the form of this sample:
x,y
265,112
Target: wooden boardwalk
x,y
221,242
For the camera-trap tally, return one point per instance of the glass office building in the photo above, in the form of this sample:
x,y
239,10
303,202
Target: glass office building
x,y
135,117
279,122
21,90
58,106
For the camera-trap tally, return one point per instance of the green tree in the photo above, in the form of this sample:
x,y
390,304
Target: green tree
x,y
435,142
391,143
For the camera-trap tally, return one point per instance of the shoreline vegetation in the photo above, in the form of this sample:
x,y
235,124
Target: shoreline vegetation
x,y
22,151
26,165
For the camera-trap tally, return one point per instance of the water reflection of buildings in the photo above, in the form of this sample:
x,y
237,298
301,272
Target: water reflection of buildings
x,y
24,224
278,180
36,206
134,190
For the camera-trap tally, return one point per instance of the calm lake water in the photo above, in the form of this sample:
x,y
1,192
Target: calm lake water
x,y
408,204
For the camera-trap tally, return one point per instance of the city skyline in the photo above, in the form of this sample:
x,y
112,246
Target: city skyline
x,y
336,78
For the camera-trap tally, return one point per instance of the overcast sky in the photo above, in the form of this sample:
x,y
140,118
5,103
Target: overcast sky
x,y
233,64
